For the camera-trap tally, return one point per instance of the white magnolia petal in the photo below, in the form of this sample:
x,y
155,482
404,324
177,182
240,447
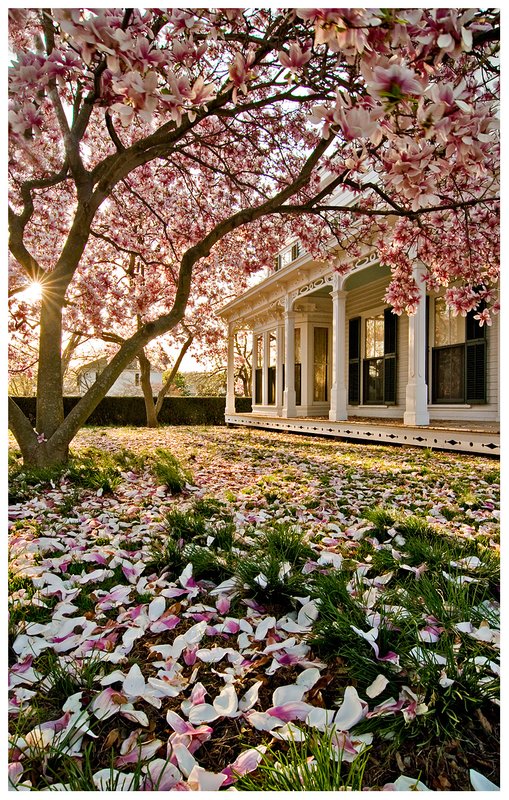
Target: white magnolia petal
x,y
351,710
286,694
377,686
308,678
203,713
320,718
195,634
482,784
185,760
73,703
156,608
406,784
264,627
163,688
161,772
263,721
251,697
212,655
134,684
108,779
200,780
134,714
308,613
113,677
290,732
227,702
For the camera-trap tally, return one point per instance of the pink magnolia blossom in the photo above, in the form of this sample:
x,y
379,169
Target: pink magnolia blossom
x,y
393,82
296,57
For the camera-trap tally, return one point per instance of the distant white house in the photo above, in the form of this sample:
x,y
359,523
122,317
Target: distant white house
x,y
128,383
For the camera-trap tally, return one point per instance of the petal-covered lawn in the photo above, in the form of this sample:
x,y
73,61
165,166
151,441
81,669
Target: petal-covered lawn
x,y
294,588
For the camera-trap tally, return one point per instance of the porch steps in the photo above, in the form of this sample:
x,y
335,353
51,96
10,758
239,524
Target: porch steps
x,y
438,438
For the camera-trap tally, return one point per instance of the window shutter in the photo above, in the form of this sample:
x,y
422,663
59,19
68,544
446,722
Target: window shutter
x,y
426,367
277,263
390,347
475,359
354,361
476,372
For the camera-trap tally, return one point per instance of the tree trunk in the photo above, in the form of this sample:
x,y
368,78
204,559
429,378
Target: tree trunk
x,y
167,385
148,396
50,402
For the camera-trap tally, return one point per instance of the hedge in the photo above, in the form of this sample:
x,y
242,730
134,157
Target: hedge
x,y
131,410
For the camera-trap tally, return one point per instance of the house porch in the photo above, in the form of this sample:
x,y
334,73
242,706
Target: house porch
x,y
481,438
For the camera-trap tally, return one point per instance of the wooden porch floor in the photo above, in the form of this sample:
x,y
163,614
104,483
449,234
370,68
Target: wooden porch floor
x,y
479,438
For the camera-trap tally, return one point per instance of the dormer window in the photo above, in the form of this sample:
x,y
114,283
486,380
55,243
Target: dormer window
x,y
286,257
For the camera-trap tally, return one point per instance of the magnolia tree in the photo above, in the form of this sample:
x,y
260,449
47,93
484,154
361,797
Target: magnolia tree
x,y
196,140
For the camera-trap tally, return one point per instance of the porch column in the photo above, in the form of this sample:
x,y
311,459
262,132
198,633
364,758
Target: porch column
x,y
338,392
416,405
265,366
280,352
253,367
289,409
230,374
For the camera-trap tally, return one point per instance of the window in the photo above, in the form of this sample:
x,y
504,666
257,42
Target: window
x,y
271,369
379,365
458,357
298,368
354,361
258,369
449,329
286,257
320,362
137,379
375,337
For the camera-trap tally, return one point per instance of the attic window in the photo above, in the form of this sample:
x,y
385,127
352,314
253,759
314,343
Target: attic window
x,y
286,256
137,379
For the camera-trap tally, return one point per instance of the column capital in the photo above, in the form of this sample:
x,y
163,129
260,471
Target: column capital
x,y
288,304
338,293
337,281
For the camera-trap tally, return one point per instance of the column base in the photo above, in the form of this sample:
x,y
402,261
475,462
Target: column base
x,y
289,405
338,412
415,420
416,412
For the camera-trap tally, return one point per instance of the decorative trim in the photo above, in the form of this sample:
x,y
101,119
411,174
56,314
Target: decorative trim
x,y
463,441
317,283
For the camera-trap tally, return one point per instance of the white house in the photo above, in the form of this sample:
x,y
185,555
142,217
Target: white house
x,y
327,351
128,383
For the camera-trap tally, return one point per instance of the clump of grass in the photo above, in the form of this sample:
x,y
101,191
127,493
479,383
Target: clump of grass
x,y
24,481
67,675
312,765
167,554
333,637
208,564
286,542
269,577
492,476
224,536
381,518
208,507
185,525
170,472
